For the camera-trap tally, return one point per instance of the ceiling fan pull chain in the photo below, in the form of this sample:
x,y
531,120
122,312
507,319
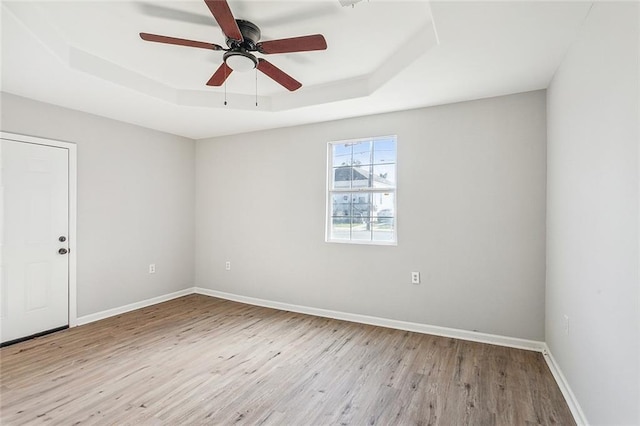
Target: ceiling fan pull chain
x,y
256,86
225,85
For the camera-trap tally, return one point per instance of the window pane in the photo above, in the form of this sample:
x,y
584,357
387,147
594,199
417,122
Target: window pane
x,y
383,204
352,177
383,229
341,228
341,154
361,176
384,151
361,229
342,177
361,153
341,205
360,205
384,176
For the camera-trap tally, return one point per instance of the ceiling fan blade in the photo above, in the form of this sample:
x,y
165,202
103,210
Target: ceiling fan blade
x,y
220,75
179,41
221,12
294,44
278,75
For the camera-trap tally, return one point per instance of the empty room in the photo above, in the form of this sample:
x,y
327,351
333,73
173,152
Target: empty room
x,y
320,212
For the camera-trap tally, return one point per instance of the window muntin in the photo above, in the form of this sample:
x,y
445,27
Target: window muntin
x,y
361,199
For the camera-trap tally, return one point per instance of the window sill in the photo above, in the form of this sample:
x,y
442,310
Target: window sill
x,y
365,243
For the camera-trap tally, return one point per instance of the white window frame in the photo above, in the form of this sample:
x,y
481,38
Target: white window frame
x,y
331,191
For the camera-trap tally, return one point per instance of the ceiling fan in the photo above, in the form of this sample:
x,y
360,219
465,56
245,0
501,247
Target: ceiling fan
x,y
243,38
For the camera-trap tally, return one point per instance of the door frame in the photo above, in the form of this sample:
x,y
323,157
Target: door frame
x,y
73,171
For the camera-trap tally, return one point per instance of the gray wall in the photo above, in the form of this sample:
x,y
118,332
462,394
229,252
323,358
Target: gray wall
x,y
135,202
592,239
471,212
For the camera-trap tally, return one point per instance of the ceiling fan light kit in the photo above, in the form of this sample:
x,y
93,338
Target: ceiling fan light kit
x,y
240,61
242,38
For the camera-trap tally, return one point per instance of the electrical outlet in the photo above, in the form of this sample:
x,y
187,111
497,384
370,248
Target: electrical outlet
x,y
152,268
566,324
415,278
227,265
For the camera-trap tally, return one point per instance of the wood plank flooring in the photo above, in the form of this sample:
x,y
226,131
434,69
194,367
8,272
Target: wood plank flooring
x,y
201,360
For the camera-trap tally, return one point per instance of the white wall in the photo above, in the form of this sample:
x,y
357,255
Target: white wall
x,y
592,216
135,202
471,211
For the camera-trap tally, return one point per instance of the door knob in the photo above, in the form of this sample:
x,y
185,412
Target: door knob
x,y
63,251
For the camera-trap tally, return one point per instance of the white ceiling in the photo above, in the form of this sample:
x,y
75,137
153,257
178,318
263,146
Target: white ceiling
x,y
383,55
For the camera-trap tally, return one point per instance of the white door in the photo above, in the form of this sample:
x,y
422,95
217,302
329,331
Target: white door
x,y
34,293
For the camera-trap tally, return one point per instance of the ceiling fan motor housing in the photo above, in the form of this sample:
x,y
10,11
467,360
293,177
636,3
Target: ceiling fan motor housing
x,y
238,57
251,34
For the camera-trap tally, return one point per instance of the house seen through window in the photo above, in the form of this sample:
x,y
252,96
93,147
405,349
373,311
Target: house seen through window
x,y
361,203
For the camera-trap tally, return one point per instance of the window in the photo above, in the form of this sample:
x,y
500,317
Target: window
x,y
361,191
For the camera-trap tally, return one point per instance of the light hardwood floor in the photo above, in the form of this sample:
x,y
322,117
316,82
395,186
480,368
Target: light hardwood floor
x,y
202,360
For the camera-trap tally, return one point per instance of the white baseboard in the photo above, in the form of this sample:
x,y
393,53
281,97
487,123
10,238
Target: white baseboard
x,y
572,402
132,306
473,336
